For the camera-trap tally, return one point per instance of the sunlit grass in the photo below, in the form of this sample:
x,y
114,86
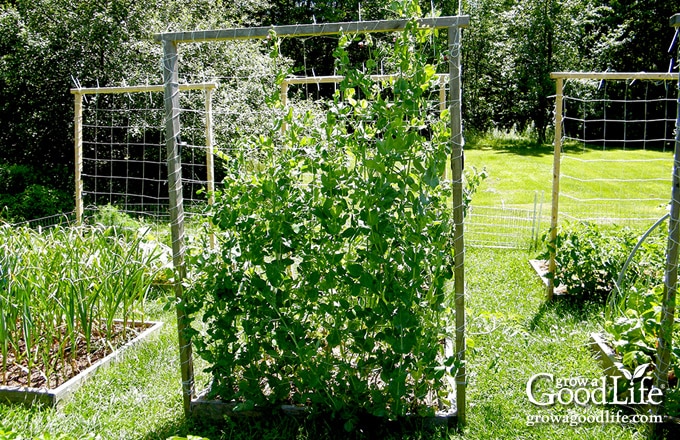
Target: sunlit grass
x,y
604,186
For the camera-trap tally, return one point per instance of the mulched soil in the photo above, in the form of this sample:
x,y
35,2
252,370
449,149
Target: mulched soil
x,y
56,371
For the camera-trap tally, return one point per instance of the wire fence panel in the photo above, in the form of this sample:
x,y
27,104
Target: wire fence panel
x,y
120,149
617,150
502,227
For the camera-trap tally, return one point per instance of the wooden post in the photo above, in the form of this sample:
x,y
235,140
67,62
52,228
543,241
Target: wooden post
x,y
78,136
557,155
308,30
458,213
665,338
284,103
171,99
210,154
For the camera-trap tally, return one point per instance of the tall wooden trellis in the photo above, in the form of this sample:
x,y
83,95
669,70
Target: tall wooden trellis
x,y
171,42
78,95
668,306
560,78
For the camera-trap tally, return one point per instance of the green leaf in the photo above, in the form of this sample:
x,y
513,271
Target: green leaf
x,y
355,270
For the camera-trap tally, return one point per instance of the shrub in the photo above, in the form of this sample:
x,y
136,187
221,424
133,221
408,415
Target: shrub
x,y
111,217
590,257
25,196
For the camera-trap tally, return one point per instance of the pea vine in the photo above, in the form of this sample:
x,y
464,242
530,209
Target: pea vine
x,y
329,288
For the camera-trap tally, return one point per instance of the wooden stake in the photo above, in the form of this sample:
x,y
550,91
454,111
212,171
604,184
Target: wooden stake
x,y
210,154
78,136
557,155
458,215
171,98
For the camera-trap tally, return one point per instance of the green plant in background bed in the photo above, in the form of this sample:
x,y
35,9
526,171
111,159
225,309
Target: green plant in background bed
x,y
590,257
329,286
632,327
111,217
590,260
635,328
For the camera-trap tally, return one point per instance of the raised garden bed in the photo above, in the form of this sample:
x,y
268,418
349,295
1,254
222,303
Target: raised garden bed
x,y
212,410
53,397
215,411
541,269
611,364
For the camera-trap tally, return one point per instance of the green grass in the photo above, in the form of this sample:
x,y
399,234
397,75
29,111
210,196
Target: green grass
x,y
516,334
512,207
513,335
519,167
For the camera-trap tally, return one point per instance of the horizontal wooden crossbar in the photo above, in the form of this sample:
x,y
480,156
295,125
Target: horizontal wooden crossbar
x,y
338,78
659,76
308,30
134,89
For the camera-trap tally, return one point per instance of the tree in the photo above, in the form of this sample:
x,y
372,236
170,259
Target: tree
x,y
643,35
49,46
512,46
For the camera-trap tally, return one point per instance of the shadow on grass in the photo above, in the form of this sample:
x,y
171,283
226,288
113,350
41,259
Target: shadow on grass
x,y
280,426
528,146
520,146
574,307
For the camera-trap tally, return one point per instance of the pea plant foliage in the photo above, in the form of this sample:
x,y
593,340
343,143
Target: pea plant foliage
x,y
329,285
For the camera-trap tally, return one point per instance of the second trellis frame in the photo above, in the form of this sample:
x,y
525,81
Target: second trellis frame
x,y
80,92
560,78
665,336
172,40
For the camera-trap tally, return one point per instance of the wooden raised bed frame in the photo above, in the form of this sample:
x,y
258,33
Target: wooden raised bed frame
x,y
57,396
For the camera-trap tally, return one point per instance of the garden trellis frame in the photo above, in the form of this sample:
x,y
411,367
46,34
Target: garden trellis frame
x,y
80,92
668,306
171,42
560,78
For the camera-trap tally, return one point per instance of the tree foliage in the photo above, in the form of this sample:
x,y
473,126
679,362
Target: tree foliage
x,y
523,41
48,46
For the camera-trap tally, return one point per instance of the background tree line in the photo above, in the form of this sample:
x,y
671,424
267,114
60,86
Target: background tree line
x,y
46,46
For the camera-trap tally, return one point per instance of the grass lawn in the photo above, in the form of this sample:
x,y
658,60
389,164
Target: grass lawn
x,y
513,334
512,206
519,167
